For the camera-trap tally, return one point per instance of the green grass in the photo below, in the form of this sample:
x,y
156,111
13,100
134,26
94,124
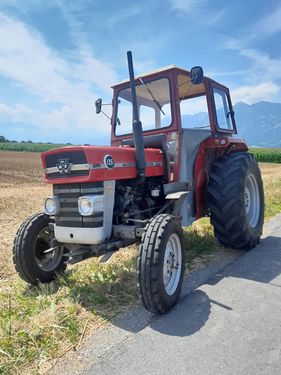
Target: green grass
x,y
39,323
29,147
267,155
199,242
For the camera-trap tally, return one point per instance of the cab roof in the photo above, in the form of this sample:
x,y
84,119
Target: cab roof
x,y
184,89
152,72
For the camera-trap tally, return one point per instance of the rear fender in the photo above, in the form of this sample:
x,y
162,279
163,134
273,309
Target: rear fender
x,y
209,151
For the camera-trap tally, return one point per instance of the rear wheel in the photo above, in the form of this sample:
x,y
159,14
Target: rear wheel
x,y
36,255
161,264
236,200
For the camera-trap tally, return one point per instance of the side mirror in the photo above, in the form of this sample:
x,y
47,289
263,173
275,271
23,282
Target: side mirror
x,y
196,75
98,104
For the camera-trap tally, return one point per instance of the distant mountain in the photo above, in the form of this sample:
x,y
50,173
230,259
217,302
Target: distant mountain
x,y
260,123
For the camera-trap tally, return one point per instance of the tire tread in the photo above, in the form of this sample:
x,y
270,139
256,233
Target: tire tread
x,y
226,200
149,263
21,243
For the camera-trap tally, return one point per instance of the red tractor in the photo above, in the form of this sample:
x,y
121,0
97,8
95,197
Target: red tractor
x,y
157,176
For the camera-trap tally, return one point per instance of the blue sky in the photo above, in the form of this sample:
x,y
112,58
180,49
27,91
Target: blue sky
x,y
58,56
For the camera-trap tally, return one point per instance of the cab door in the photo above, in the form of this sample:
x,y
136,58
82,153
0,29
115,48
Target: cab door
x,y
223,110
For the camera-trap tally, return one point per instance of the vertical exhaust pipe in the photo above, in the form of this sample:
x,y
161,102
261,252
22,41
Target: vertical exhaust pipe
x,y
137,125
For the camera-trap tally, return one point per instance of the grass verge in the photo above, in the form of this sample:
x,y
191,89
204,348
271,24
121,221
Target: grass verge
x,y
40,323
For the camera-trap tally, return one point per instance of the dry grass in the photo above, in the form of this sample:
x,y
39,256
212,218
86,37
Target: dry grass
x,y
271,174
22,191
38,324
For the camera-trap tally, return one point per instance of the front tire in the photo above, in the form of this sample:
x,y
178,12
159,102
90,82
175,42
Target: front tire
x,y
34,259
161,263
236,200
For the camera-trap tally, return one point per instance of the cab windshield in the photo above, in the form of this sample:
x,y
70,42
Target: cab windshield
x,y
154,103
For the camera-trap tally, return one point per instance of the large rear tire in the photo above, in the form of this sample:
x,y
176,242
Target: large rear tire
x,y
35,257
236,200
161,263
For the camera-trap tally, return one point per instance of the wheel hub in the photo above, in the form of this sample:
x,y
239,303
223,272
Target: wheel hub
x,y
247,200
252,200
172,264
47,257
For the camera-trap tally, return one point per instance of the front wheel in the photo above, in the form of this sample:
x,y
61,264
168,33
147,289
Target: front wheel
x,y
161,264
36,255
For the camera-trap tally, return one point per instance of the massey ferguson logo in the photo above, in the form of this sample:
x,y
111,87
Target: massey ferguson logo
x,y
64,166
108,161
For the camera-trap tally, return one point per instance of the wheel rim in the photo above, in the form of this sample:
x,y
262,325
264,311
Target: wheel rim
x,y
172,264
46,257
252,200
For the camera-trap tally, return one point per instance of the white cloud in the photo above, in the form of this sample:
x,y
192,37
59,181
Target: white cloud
x,y
206,15
234,44
262,76
23,5
213,18
269,67
31,64
270,24
123,14
252,94
26,58
82,123
188,6
263,68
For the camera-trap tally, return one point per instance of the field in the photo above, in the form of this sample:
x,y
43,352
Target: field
x,y
38,324
28,147
267,155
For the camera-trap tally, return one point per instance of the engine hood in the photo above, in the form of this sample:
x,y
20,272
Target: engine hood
x,y
97,163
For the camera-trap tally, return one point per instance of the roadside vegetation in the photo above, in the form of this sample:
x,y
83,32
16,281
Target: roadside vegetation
x,y
267,155
39,324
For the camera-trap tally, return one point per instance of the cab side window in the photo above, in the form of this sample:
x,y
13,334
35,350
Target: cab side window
x,y
194,113
223,112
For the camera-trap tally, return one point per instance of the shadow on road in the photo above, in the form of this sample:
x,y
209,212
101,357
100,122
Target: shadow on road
x,y
262,264
196,313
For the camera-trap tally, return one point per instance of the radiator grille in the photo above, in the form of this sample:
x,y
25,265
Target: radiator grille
x,y
68,196
76,158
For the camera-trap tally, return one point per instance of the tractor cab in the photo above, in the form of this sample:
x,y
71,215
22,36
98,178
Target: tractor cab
x,y
177,114
184,114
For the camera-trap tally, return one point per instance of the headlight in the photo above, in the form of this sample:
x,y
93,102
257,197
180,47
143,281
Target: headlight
x,y
51,205
89,204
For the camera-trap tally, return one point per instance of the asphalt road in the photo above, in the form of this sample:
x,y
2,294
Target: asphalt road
x,y
229,325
